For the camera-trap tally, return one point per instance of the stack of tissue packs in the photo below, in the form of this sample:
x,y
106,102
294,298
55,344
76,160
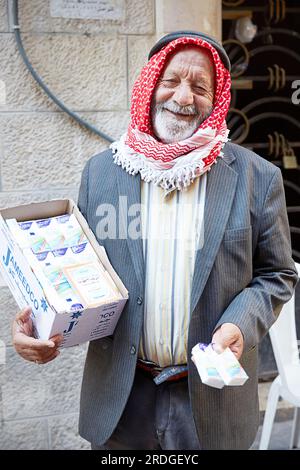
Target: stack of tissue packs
x,y
217,370
64,262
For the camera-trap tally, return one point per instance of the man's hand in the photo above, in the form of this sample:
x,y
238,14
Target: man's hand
x,y
29,348
228,335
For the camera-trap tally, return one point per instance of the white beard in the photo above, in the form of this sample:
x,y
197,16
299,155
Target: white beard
x,y
168,128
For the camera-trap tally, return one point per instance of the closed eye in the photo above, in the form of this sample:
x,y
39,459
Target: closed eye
x,y
169,81
200,88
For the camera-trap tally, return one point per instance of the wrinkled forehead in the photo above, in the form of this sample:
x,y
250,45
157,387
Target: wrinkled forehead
x,y
187,56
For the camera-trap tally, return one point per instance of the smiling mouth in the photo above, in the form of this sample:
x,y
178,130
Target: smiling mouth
x,y
180,115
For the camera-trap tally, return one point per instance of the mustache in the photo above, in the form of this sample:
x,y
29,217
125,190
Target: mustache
x,y
189,110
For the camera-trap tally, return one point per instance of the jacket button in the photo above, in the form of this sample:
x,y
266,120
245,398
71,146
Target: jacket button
x,y
132,350
140,300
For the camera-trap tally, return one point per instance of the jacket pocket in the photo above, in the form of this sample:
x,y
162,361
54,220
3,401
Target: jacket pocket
x,y
233,263
237,234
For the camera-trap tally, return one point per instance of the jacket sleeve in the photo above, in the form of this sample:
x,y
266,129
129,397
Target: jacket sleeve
x,y
256,307
83,191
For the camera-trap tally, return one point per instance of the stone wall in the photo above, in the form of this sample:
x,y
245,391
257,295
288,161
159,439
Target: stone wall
x,y
90,65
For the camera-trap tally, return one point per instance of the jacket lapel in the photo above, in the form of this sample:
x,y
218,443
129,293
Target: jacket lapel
x,y
130,187
221,187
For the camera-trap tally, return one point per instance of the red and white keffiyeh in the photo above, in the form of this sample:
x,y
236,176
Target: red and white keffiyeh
x,y
173,165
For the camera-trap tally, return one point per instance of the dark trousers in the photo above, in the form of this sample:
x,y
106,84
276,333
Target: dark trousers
x,y
155,417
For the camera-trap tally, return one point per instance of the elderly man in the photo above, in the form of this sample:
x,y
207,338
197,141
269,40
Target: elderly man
x,y
209,261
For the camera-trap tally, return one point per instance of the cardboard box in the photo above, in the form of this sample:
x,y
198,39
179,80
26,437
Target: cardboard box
x,y
76,327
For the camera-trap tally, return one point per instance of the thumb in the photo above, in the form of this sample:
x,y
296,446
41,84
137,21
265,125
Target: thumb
x,y
220,341
218,347
24,315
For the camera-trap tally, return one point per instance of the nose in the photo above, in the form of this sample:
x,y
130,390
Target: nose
x,y
183,95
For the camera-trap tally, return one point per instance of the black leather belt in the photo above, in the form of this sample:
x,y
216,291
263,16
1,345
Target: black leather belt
x,y
163,374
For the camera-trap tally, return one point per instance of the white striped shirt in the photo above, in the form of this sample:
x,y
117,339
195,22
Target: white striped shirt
x,y
172,230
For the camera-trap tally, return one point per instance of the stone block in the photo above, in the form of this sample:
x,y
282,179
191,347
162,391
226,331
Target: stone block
x,y
138,50
31,390
29,434
21,90
3,16
16,198
48,150
204,16
9,309
138,19
86,73
64,433
2,378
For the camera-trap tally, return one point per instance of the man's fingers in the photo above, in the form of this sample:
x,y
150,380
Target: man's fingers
x,y
50,358
219,343
46,358
23,341
30,348
237,351
57,340
228,336
39,358
30,355
23,315
218,347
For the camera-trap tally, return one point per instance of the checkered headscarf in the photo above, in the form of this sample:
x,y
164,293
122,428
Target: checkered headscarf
x,y
177,164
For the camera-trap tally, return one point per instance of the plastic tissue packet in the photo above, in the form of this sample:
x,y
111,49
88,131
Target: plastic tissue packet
x,y
49,272
206,367
92,282
29,235
228,366
64,263
70,229
48,234
217,370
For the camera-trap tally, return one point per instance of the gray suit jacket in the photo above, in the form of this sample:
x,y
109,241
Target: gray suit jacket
x,y
243,274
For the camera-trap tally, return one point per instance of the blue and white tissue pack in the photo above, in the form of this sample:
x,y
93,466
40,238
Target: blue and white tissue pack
x,y
218,369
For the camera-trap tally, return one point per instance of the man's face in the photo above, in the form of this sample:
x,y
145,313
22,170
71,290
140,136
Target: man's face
x,y
183,97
